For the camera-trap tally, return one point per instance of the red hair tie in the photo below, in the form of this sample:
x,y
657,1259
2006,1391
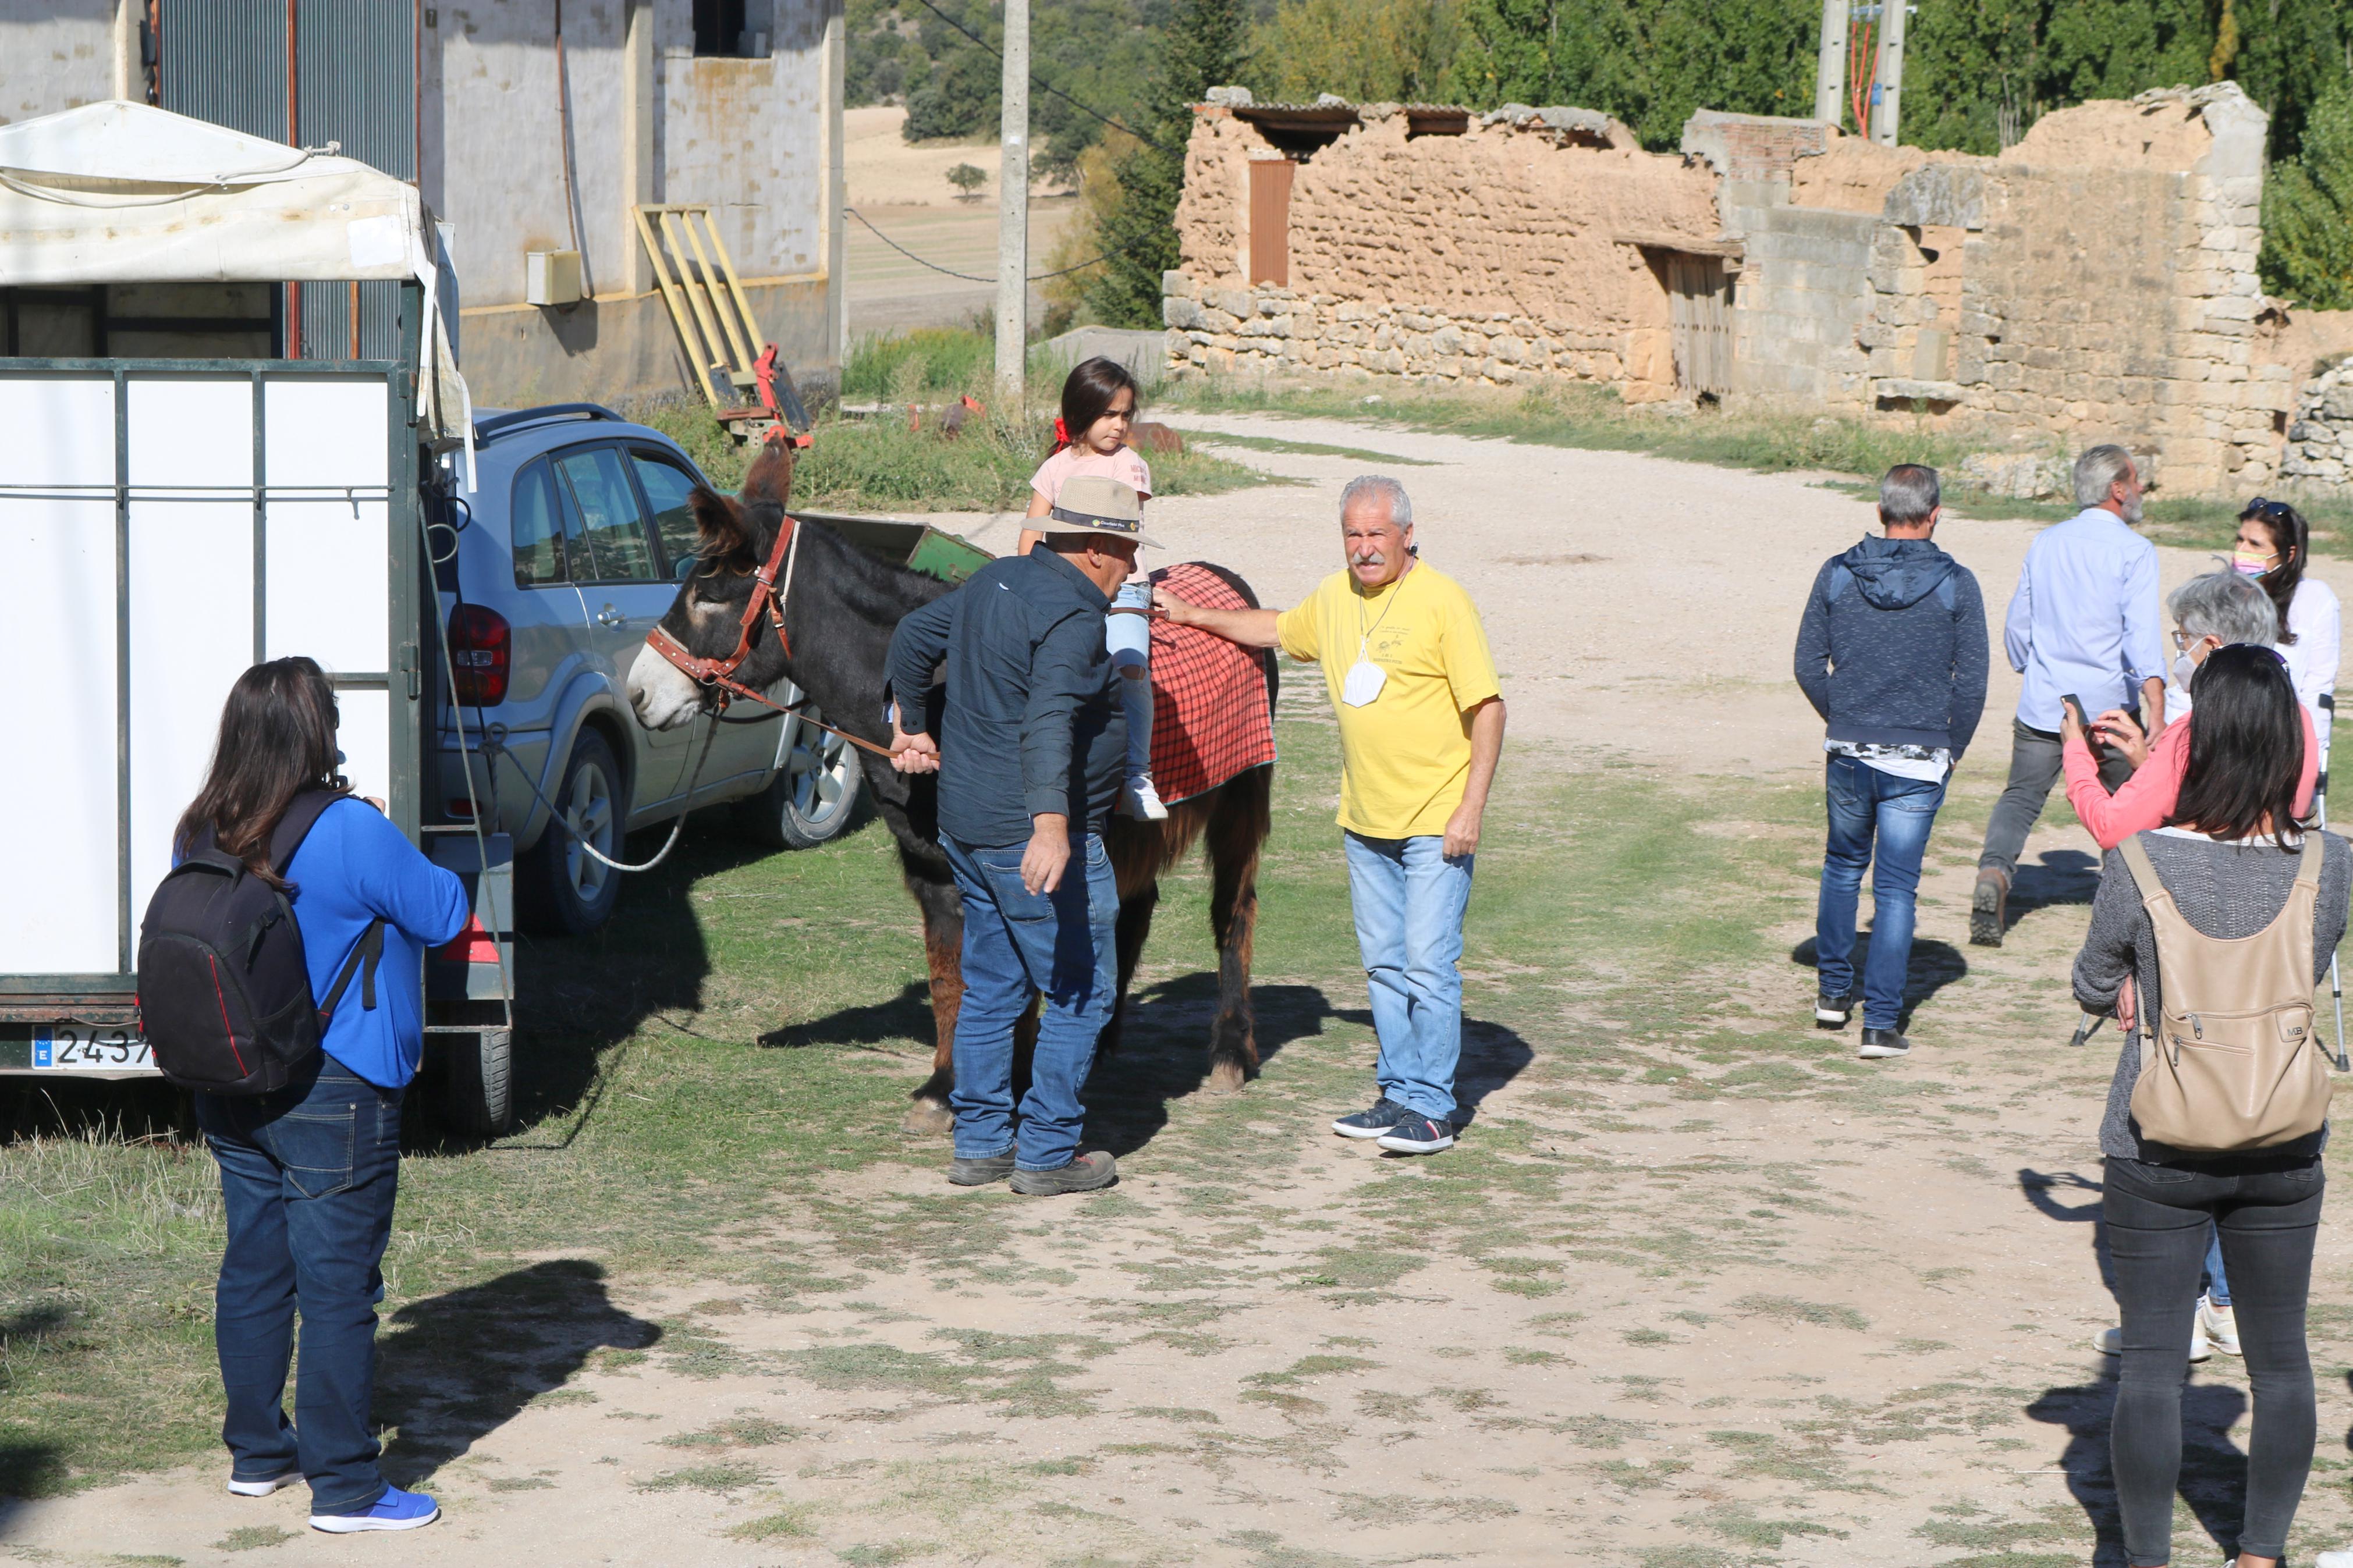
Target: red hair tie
x,y
1061,431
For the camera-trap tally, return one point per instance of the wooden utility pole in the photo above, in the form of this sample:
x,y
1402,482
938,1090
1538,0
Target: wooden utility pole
x,y
1829,72
1013,212
1886,114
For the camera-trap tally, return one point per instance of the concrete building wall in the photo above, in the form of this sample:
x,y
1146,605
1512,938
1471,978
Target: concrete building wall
x,y
650,122
1506,251
61,55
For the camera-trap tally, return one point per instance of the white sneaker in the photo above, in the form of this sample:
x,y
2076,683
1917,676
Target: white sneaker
x,y
2111,1341
262,1488
1139,799
2218,1324
2334,1560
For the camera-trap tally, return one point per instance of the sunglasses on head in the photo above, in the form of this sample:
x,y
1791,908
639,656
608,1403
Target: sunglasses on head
x,y
2259,507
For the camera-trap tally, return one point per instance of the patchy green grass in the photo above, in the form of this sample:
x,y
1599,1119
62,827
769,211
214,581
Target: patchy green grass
x,y
880,463
1314,449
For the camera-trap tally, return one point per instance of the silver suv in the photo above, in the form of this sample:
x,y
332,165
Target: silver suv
x,y
551,573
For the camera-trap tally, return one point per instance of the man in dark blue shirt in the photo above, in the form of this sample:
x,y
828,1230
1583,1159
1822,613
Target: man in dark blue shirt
x,y
1031,752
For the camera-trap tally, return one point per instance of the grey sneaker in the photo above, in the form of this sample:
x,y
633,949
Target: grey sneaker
x,y
1085,1173
1418,1134
981,1171
1879,1043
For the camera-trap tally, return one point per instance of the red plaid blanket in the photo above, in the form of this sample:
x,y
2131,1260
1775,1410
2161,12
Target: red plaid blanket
x,y
1209,719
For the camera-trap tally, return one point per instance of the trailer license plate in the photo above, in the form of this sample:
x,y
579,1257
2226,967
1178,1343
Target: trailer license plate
x,y
68,1049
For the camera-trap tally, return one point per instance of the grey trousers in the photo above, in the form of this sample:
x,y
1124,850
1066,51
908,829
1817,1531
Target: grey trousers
x,y
2036,761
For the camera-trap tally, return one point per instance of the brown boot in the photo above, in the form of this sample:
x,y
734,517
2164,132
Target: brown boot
x,y
1987,907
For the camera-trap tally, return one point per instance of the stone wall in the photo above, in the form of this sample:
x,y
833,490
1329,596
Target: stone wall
x,y
2320,442
1514,249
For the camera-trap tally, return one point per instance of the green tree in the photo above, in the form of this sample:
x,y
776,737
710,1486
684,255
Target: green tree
x,y
1202,46
2308,212
1368,51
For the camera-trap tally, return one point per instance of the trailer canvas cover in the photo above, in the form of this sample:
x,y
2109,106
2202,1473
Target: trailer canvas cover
x,y
120,193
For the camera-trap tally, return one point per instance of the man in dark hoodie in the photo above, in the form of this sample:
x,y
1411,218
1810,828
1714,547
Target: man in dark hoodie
x,y
1892,654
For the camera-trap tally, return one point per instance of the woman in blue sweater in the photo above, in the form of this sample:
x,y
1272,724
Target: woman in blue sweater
x,y
309,1171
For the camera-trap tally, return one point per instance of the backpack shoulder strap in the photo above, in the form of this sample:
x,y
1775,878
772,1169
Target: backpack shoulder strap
x,y
303,813
366,954
2307,865
2144,871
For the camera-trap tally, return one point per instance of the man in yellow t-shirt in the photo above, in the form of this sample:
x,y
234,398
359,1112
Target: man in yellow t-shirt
x,y
1421,724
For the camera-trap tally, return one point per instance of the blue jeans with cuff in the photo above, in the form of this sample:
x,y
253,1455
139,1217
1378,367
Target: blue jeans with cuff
x,y
1408,899
1879,820
307,1177
1063,945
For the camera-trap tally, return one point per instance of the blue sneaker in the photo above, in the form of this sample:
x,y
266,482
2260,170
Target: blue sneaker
x,y
397,1509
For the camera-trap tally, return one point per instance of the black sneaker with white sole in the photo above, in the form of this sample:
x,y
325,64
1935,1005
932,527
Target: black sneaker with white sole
x,y
1384,1114
1877,1043
1418,1134
1832,1012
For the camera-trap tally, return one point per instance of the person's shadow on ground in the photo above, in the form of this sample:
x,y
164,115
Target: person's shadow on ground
x,y
2061,877
1934,964
458,1366
2214,1470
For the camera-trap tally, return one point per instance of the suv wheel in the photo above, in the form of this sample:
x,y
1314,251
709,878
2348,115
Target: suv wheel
x,y
565,889
813,799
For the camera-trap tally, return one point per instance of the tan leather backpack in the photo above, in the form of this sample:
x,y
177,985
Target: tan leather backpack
x,y
2233,1063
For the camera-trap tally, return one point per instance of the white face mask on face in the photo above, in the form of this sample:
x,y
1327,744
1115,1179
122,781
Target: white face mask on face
x,y
2184,667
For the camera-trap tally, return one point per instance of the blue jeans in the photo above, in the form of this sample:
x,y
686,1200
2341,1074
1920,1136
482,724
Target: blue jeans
x,y
1064,944
1409,899
308,1177
1865,803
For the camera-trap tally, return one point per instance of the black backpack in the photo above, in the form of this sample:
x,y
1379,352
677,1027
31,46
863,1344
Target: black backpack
x,y
224,986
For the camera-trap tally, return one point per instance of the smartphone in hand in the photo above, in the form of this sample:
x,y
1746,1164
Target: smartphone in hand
x,y
2075,704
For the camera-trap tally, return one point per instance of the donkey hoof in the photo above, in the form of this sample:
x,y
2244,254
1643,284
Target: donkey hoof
x,y
926,1118
1227,1078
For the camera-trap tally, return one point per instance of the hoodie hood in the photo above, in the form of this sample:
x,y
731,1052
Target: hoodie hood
x,y
1893,574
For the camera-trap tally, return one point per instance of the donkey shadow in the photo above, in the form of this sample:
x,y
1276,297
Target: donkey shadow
x,y
458,1366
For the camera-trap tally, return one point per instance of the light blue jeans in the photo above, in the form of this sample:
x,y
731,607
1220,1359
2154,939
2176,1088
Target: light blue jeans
x,y
1409,899
1063,944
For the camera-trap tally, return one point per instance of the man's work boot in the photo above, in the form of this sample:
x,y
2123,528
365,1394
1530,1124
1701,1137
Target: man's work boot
x,y
1987,906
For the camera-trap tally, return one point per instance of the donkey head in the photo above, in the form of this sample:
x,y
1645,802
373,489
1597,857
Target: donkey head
x,y
734,538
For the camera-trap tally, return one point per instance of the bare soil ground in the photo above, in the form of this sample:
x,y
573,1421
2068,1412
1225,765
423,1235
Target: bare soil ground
x,y
1697,1290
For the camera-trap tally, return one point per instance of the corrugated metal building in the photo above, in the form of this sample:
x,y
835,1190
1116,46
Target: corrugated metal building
x,y
531,127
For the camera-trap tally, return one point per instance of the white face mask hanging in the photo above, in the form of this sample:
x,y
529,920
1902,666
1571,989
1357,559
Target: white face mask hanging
x,y
1363,681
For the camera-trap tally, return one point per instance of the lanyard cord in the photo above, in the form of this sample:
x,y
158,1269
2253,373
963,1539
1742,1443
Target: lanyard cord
x,y
1365,634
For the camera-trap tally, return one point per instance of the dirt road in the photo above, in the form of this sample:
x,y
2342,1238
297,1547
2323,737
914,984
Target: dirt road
x,y
1697,1288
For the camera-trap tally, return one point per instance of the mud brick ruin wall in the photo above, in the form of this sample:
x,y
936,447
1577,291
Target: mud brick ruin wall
x,y
1493,255
2096,282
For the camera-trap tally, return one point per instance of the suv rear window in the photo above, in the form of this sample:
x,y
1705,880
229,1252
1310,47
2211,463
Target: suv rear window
x,y
538,556
666,489
614,529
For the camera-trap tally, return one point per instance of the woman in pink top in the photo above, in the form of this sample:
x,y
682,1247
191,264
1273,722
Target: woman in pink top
x,y
1091,438
2209,612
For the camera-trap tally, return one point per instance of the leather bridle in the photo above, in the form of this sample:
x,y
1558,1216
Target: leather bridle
x,y
769,593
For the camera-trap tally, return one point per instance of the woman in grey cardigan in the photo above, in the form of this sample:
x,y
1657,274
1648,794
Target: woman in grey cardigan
x,y
2229,857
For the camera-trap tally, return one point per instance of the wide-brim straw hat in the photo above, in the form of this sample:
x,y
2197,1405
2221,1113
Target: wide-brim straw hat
x,y
1092,504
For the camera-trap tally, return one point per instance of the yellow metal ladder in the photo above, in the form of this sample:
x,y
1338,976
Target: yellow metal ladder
x,y
706,300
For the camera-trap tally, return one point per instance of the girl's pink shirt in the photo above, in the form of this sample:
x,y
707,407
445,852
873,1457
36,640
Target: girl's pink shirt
x,y
2145,799
1122,465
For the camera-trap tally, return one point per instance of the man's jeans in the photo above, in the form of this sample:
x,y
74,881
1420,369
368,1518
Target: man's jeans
x,y
2036,761
1867,804
308,1177
1064,944
1409,899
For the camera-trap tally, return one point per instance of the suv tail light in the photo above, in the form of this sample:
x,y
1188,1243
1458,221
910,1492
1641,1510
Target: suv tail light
x,y
482,652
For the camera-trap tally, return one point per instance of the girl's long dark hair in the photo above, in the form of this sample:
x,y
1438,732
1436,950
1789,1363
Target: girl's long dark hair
x,y
2246,746
277,740
1087,392
2290,537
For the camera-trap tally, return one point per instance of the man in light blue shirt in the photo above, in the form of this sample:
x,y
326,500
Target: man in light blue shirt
x,y
2082,624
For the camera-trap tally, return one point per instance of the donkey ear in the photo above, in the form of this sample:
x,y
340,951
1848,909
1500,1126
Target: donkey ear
x,y
720,533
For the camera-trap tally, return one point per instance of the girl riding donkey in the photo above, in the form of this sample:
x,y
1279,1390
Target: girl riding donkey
x,y
1091,439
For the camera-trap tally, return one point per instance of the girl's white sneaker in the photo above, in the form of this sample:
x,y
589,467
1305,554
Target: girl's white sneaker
x,y
1140,800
